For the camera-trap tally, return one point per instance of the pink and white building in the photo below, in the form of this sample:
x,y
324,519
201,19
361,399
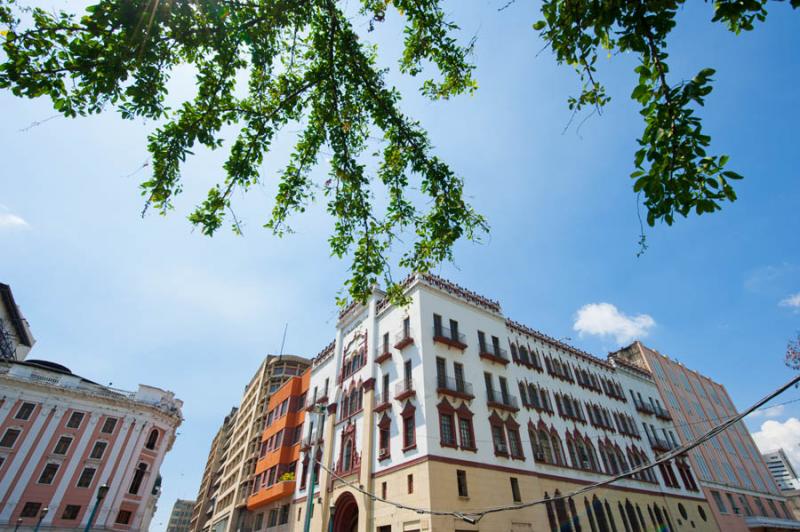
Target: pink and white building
x,y
62,437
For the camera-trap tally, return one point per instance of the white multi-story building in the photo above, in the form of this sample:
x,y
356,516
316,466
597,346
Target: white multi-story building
x,y
781,470
448,404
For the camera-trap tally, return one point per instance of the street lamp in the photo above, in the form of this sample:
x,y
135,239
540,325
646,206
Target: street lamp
x,y
330,518
19,522
41,518
102,491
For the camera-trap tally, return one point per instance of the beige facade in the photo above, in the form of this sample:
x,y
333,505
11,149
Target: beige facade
x,y
225,499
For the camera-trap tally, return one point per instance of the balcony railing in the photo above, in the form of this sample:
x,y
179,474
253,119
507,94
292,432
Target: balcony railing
x,y
644,408
494,354
496,399
662,413
404,390
660,444
382,354
449,337
382,401
403,339
454,387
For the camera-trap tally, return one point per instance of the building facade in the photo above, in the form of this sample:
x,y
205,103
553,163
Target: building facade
x,y
16,339
224,505
181,516
730,467
447,404
62,437
781,470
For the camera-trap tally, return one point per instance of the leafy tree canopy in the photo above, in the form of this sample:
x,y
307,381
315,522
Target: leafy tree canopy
x,y
304,63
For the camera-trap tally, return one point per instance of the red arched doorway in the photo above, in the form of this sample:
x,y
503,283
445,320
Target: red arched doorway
x,y
345,515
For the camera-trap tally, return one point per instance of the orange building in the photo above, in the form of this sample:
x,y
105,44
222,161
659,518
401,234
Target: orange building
x,y
280,450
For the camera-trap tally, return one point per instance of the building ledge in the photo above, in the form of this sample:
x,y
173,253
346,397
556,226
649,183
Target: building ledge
x,y
771,523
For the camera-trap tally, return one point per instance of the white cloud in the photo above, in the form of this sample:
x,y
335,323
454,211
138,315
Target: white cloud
x,y
11,221
604,319
791,301
772,412
775,435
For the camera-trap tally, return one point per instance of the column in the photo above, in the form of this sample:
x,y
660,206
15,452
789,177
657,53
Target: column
x,y
367,448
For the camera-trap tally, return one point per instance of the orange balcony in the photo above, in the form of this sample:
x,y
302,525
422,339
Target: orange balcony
x,y
277,491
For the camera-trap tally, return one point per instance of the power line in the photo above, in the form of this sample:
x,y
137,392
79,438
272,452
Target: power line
x,y
473,517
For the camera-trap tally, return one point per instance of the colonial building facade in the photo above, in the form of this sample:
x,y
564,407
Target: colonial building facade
x,y
730,467
447,404
63,437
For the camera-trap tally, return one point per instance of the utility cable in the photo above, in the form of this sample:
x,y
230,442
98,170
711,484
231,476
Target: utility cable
x,y
473,517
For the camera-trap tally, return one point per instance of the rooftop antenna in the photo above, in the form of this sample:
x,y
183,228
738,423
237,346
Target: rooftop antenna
x,y
283,342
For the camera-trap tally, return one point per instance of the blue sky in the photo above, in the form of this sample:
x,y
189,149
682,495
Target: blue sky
x,y
126,300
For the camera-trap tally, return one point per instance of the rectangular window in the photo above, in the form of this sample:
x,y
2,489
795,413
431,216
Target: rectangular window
x,y
446,431
71,512
10,437
465,431
259,522
75,420
504,390
386,342
31,509
272,520
407,328
284,517
458,369
63,445
461,480
496,345
410,482
407,374
25,411
454,330
514,443
515,494
98,450
487,380
123,517
48,474
441,372
109,425
437,325
409,432
86,477
482,341
499,440
385,391
383,490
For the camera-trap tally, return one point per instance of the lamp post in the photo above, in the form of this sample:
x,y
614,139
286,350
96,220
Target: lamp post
x,y
41,518
101,494
19,522
330,518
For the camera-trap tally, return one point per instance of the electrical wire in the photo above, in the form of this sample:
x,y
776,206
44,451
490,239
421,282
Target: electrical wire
x,y
473,517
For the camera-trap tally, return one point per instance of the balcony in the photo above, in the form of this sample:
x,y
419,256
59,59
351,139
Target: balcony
x,y
403,339
662,413
495,399
454,388
279,490
382,354
660,445
311,401
404,390
495,354
450,338
644,408
382,402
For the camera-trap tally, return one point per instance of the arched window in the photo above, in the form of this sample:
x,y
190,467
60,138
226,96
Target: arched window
x,y
600,515
632,519
347,457
610,516
551,516
589,514
561,513
622,516
545,447
152,439
558,451
576,521
138,477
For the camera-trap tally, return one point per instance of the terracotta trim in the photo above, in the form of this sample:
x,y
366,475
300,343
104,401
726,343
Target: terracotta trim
x,y
405,342
369,384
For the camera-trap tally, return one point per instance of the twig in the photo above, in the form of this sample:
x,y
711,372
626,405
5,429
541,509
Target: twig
x,y
37,123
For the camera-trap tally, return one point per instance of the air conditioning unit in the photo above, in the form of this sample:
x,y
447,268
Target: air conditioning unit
x,y
586,464
539,456
383,453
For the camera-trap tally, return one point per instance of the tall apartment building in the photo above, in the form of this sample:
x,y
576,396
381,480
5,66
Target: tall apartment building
x,y
448,404
65,439
16,339
275,479
225,502
781,470
204,506
730,467
180,518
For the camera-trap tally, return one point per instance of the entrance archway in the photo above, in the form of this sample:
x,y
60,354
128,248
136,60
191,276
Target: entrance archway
x,y
345,514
